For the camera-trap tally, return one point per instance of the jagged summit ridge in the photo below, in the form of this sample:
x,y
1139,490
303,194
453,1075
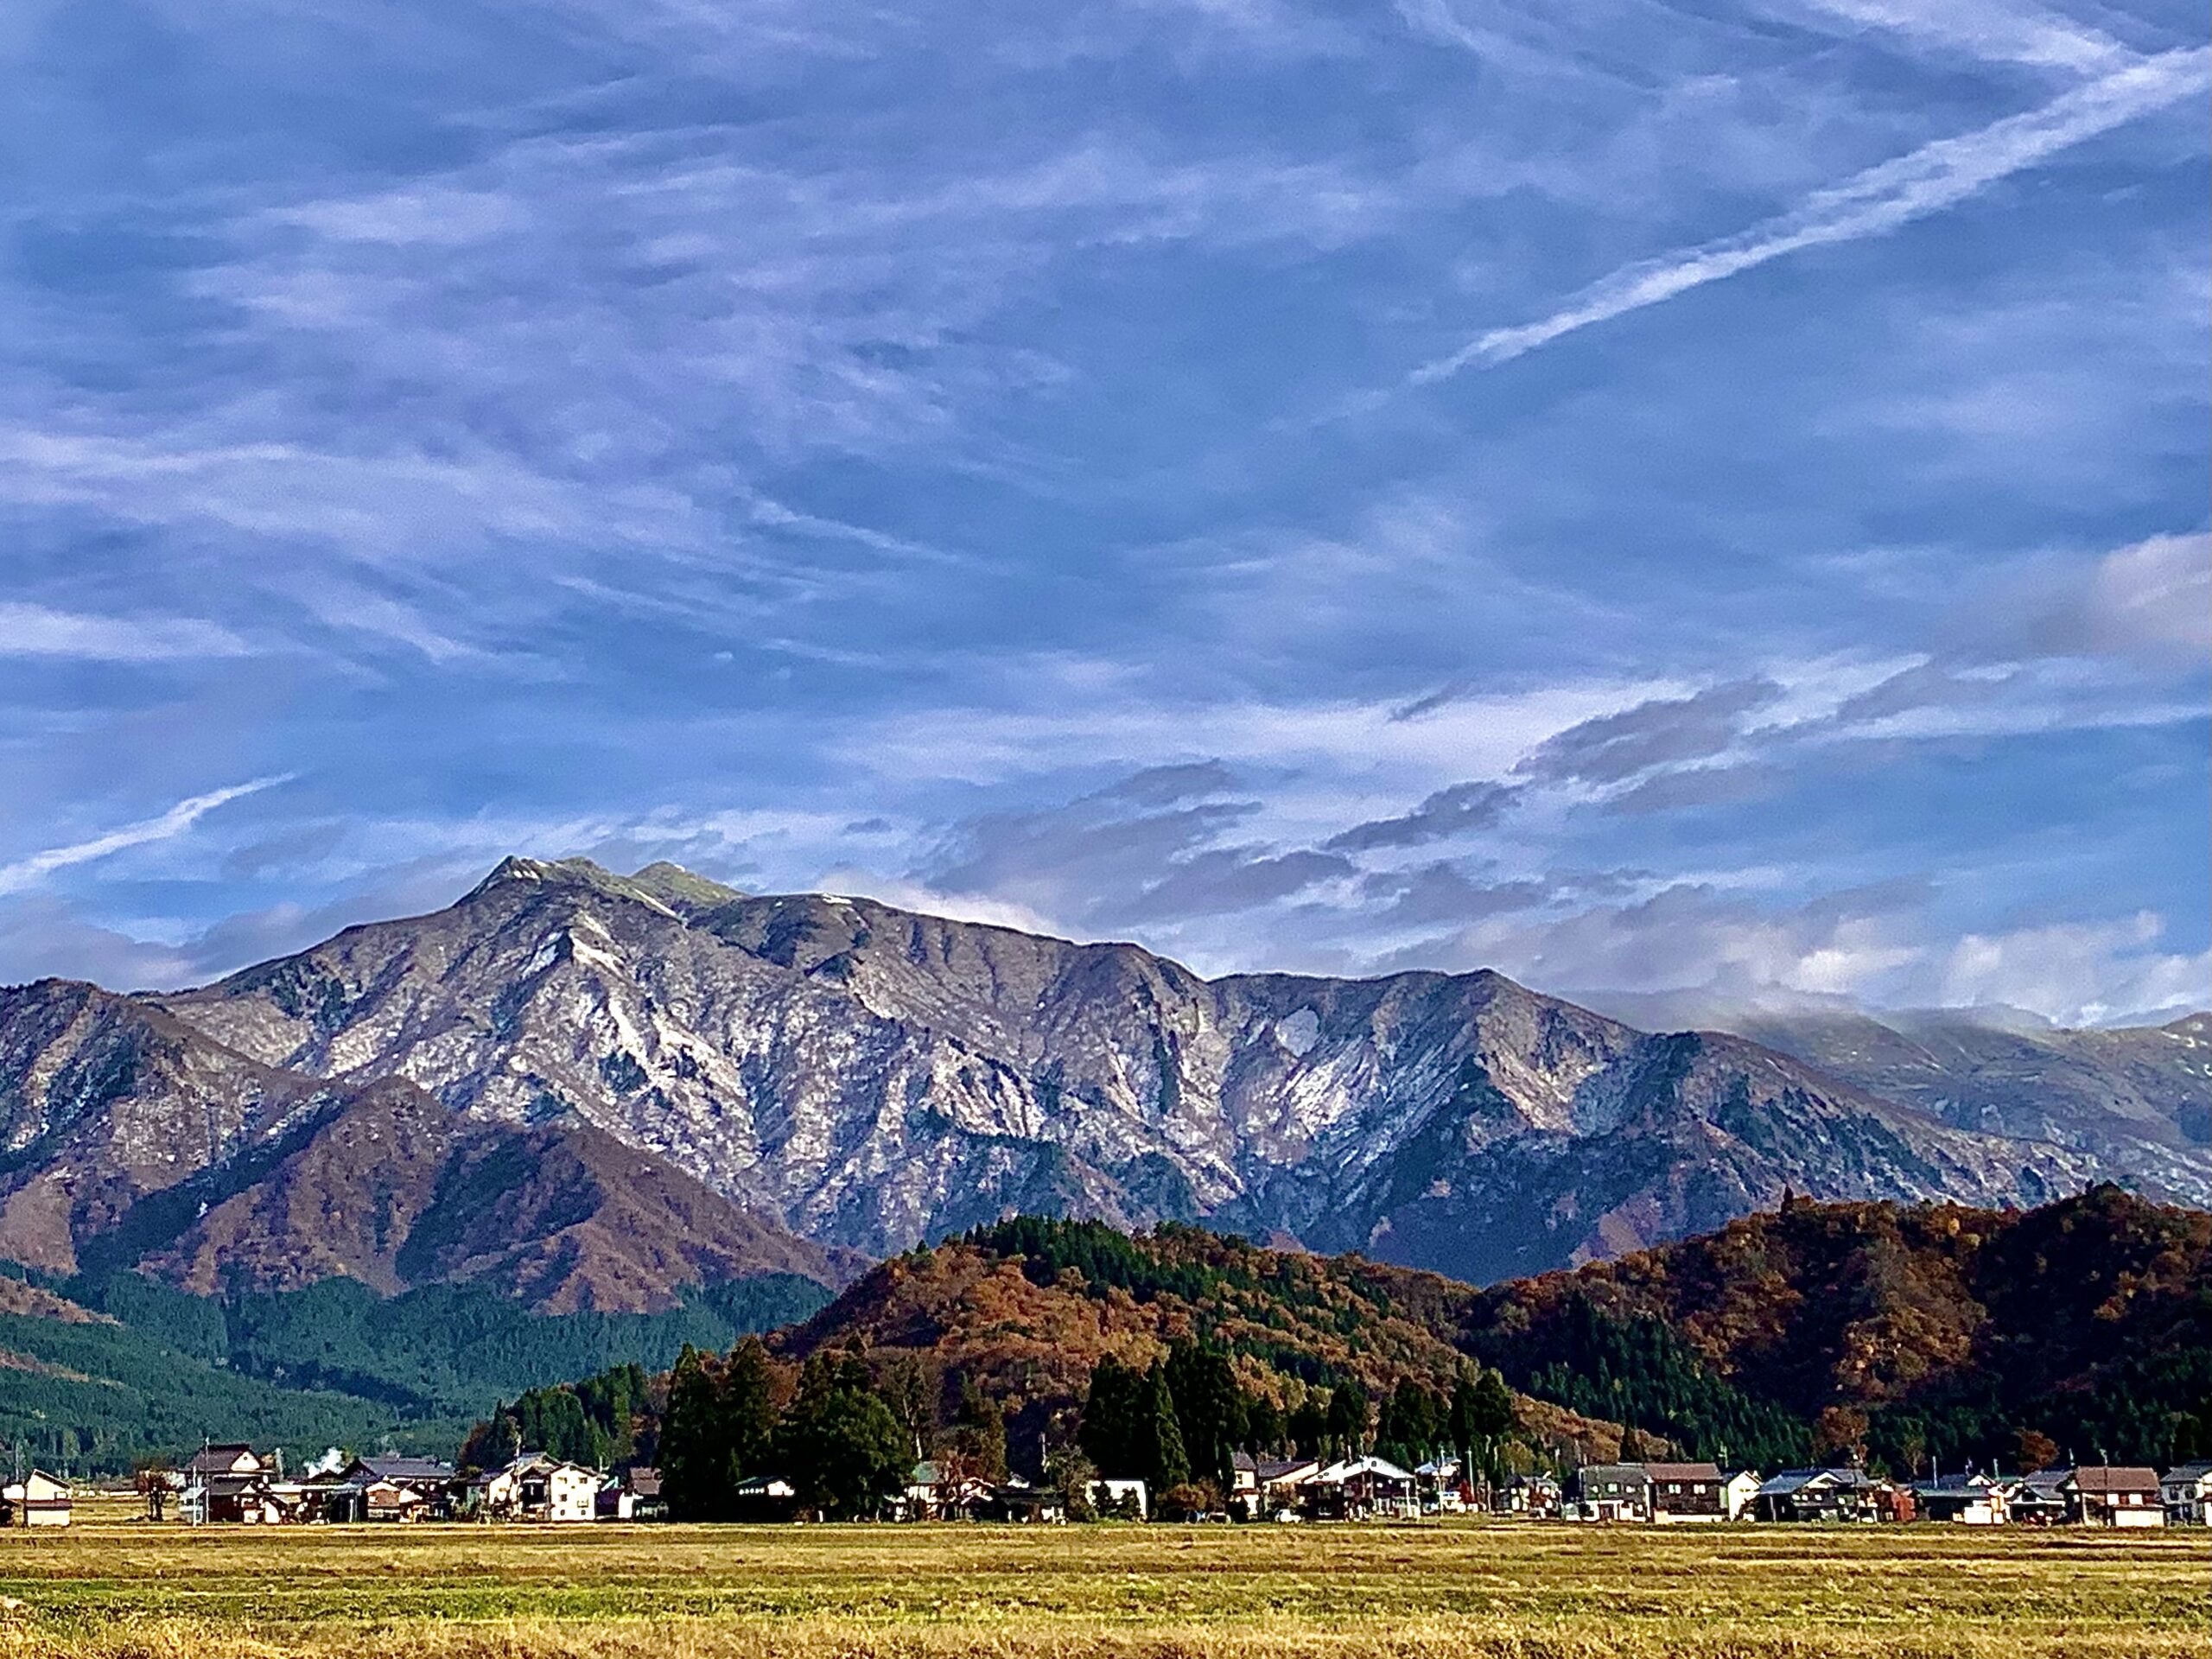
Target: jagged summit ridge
x,y
871,1077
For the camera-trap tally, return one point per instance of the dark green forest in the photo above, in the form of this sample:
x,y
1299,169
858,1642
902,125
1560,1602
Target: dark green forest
x,y
333,1363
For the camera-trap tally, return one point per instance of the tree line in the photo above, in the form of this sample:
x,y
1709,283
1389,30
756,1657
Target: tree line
x,y
1178,1423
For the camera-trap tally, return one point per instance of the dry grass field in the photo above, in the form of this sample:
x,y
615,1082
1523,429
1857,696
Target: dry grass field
x,y
947,1592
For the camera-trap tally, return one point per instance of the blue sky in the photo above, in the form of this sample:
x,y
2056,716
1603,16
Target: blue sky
x,y
1643,496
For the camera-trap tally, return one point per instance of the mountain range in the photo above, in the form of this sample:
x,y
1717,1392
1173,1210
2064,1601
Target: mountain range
x,y
589,1090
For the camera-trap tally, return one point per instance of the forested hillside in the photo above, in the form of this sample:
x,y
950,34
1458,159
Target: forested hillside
x,y
99,1372
1905,1334
1916,1333
1062,1349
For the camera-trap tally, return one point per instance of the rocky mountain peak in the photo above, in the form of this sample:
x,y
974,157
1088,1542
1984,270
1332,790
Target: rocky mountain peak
x,y
870,1077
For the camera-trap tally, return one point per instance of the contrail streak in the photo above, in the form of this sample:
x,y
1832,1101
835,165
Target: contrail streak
x,y
179,818
1879,201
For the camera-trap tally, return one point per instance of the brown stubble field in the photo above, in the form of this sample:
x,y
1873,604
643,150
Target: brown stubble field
x,y
1526,1592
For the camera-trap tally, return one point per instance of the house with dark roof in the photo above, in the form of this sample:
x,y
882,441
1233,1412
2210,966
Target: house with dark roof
x,y
2038,1499
536,1487
1963,1500
1536,1495
634,1495
2186,1490
1685,1491
1614,1491
1831,1494
1360,1487
390,1489
764,1497
1737,1488
235,1500
225,1458
2113,1495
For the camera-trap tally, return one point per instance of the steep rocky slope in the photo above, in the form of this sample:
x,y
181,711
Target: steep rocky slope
x,y
870,1077
134,1140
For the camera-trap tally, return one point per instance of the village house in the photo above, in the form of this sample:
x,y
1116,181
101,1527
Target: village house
x,y
941,1490
1244,1484
1442,1487
37,1500
1614,1491
1015,1499
1963,1500
1685,1491
1737,1491
1535,1496
2039,1499
229,1483
645,1489
1281,1482
2111,1496
2186,1490
634,1495
1833,1494
1360,1487
764,1497
533,1487
232,1458
390,1489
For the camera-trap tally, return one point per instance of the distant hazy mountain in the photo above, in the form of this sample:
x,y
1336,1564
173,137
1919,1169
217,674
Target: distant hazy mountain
x,y
2139,1097
625,1084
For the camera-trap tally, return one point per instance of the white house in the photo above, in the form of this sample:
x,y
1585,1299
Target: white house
x,y
37,1500
537,1487
2116,1495
1736,1493
1966,1500
2186,1490
1113,1497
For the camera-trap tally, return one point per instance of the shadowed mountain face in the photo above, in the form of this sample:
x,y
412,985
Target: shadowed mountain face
x,y
132,1139
867,1077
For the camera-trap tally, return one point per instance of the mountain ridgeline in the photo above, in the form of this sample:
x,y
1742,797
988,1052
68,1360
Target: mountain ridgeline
x,y
1913,1337
592,1092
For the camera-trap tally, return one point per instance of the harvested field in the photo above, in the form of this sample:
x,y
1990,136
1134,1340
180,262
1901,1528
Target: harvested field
x,y
1255,1592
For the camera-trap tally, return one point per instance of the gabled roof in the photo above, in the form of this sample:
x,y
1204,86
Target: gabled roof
x,y
2114,1478
1972,1489
1382,1468
1275,1469
234,1486
1798,1480
2181,1473
1683,1470
220,1459
406,1470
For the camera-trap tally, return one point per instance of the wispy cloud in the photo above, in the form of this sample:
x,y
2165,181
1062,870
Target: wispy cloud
x,y
29,871
37,631
1876,201
1996,33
